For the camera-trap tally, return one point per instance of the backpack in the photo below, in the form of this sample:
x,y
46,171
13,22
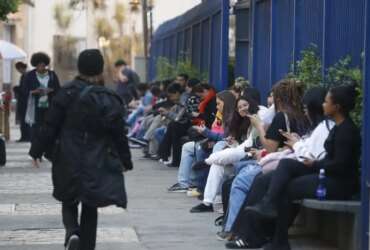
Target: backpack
x,y
96,108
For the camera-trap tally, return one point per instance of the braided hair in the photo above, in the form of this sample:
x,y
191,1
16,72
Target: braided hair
x,y
288,98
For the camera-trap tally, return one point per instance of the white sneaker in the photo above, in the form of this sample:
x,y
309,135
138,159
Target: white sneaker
x,y
73,243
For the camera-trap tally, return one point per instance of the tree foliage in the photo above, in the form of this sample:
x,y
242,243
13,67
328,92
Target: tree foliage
x,y
8,6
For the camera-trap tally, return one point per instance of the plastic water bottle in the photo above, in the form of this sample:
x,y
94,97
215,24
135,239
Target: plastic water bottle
x,y
321,189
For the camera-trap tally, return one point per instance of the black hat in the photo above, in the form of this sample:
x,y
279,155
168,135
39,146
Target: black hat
x,y
90,62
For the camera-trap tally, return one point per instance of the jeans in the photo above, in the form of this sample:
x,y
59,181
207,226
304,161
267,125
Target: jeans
x,y
215,177
86,230
191,153
159,134
135,115
240,187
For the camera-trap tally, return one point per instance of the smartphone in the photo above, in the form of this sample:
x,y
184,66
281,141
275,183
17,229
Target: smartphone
x,y
247,149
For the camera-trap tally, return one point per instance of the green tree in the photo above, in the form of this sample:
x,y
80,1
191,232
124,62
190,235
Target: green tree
x,y
8,6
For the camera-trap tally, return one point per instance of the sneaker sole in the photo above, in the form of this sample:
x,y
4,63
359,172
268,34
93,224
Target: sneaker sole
x,y
177,191
73,244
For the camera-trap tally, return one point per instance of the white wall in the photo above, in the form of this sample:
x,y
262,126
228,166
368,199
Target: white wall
x,y
168,9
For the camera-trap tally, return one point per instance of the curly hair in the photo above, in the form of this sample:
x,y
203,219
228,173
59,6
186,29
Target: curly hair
x,y
288,98
40,57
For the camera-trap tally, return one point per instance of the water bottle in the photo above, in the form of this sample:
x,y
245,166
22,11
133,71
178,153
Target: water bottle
x,y
321,189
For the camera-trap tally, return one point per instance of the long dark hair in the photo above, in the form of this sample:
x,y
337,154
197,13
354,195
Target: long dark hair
x,y
288,96
239,125
229,103
313,100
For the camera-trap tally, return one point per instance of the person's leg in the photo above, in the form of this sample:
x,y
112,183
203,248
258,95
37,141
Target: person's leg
x,y
159,133
135,115
286,171
187,161
219,146
305,187
70,220
89,223
214,181
179,131
156,123
164,150
239,191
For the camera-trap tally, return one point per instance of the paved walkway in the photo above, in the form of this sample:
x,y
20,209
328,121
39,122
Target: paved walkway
x,y
30,217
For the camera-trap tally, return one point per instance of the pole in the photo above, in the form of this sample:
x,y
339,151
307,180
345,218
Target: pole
x,y
145,33
366,138
224,67
151,23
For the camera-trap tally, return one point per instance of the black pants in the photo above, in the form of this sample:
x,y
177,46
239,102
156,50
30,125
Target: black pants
x,y
86,230
172,140
25,129
291,181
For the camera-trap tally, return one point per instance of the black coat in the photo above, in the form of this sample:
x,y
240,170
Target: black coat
x,y
79,172
31,82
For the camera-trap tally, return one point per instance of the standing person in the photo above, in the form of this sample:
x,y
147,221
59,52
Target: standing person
x,y
21,97
7,99
91,150
41,84
127,80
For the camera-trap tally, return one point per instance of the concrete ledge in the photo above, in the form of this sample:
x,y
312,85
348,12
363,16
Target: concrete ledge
x,y
337,206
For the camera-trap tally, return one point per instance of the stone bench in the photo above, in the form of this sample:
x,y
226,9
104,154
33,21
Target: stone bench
x,y
336,222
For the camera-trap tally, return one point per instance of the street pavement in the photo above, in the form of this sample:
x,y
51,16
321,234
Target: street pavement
x,y
30,218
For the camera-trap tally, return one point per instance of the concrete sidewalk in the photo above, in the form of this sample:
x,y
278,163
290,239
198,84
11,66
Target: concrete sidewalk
x,y
30,218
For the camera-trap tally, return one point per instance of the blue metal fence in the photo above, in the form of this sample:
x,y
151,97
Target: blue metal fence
x,y
196,35
282,29
366,137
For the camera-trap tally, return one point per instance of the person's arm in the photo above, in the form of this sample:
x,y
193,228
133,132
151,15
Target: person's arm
x,y
212,135
271,145
48,133
118,134
344,153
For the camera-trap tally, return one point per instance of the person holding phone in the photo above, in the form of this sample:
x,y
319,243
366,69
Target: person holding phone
x,y
41,84
298,179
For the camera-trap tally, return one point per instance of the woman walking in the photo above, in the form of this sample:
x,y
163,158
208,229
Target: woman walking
x,y
90,150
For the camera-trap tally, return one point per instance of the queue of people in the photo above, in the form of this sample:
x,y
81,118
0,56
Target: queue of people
x,y
255,160
229,149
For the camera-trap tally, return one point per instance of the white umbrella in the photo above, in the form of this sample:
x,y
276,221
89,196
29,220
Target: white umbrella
x,y
9,51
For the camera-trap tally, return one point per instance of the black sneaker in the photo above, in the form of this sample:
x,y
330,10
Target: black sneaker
x,y
73,243
263,209
177,188
224,236
202,208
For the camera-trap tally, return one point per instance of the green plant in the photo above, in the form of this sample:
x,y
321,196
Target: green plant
x,y
185,66
308,70
8,6
165,70
342,73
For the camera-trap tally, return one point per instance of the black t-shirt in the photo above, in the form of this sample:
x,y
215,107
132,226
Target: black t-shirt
x,y
279,123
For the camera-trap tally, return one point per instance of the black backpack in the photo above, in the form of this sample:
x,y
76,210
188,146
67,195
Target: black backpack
x,y
97,107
